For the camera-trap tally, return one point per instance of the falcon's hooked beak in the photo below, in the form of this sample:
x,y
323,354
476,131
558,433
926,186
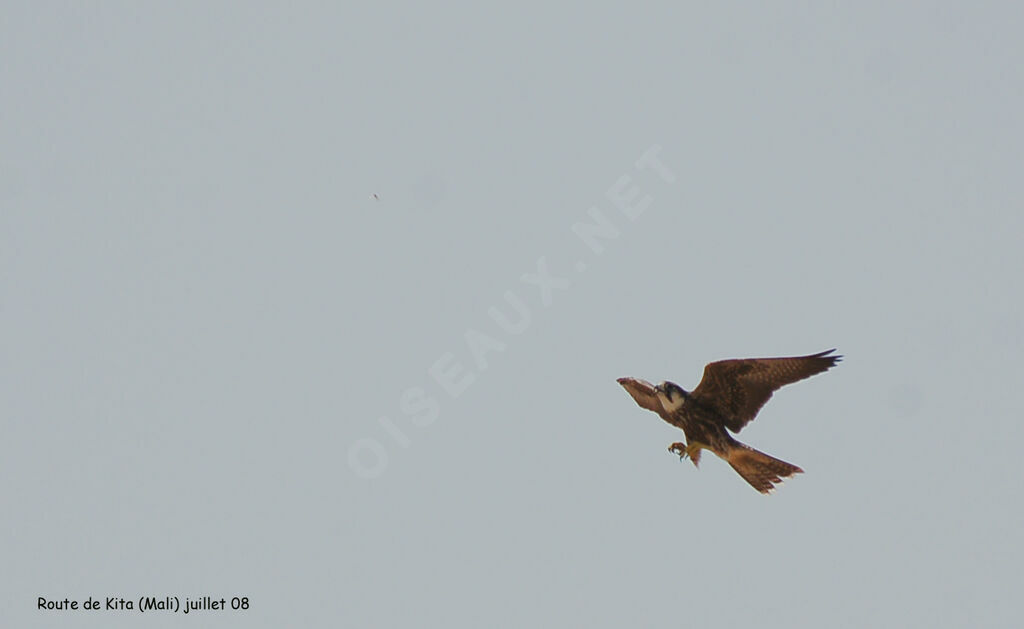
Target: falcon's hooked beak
x,y
671,395
662,392
666,387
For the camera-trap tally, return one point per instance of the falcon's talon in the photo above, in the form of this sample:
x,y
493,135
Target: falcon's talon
x,y
693,450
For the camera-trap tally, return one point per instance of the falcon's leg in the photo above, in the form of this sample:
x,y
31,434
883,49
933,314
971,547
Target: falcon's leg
x,y
683,450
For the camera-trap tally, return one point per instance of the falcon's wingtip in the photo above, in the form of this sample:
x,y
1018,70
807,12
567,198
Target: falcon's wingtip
x,y
825,354
629,381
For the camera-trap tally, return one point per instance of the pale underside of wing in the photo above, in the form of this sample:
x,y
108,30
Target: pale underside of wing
x,y
737,389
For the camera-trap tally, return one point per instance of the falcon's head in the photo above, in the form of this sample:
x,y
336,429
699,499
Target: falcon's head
x,y
671,395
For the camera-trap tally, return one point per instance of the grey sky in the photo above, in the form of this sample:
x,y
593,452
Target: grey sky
x,y
203,310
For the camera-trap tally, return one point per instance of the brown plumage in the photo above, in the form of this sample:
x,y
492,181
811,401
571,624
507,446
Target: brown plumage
x,y
729,396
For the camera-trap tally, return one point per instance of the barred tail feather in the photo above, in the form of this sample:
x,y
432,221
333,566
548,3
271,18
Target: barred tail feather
x,y
759,469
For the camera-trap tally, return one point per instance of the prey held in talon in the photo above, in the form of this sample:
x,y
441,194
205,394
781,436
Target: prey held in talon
x,y
729,396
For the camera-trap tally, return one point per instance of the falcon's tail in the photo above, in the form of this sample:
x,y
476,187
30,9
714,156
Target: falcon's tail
x,y
759,469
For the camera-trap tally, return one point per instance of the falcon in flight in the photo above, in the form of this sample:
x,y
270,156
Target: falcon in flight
x,y
729,395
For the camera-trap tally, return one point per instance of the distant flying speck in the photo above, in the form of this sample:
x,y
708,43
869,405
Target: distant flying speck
x,y
376,197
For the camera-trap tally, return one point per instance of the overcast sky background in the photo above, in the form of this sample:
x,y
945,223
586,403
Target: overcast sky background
x,y
204,312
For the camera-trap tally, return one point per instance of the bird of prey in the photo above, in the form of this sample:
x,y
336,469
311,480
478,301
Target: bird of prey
x,y
729,395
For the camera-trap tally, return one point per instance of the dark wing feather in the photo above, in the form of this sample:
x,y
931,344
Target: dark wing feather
x,y
737,389
645,395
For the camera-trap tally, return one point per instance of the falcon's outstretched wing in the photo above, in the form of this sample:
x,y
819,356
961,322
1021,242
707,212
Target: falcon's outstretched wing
x,y
644,394
737,389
